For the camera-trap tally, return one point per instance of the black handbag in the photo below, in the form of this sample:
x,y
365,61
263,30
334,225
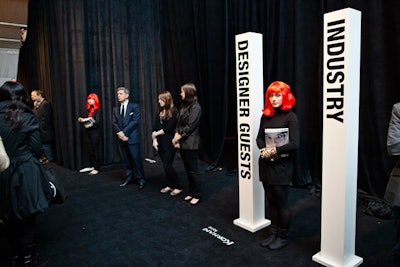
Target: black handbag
x,y
59,194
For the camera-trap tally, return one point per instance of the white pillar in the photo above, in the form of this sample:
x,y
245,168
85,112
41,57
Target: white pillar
x,y
342,39
250,102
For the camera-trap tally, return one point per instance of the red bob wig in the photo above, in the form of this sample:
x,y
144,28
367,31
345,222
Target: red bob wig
x,y
288,99
96,105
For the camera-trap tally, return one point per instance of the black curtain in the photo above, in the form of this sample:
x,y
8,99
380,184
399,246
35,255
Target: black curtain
x,y
77,47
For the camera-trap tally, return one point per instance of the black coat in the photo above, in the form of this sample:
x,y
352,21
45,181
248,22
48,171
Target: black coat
x,y
24,187
188,126
44,115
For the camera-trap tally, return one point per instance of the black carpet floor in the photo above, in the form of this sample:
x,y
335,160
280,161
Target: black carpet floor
x,y
102,224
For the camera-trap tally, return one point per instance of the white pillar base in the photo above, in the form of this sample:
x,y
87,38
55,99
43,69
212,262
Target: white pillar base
x,y
351,261
251,227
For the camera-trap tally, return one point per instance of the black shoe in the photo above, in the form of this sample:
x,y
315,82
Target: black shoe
x,y
278,243
141,185
273,231
265,243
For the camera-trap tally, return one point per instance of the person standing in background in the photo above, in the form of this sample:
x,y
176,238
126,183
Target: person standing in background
x,y
44,114
126,124
4,159
276,160
25,191
392,193
187,139
92,124
162,135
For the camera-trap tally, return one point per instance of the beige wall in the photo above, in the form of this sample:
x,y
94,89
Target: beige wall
x,y
12,12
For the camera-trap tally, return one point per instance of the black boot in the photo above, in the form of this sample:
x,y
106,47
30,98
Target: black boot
x,y
281,240
273,231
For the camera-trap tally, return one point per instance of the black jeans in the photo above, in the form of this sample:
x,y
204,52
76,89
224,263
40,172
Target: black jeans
x,y
190,161
167,156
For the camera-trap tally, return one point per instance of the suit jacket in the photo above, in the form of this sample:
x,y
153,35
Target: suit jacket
x,y
393,138
130,124
44,115
188,126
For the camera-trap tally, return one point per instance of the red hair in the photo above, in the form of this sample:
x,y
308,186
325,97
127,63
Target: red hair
x,y
288,99
96,104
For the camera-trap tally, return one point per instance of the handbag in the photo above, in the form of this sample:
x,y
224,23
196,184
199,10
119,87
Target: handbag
x,y
4,159
59,194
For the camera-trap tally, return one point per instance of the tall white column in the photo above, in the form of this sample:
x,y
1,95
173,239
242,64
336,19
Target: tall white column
x,y
342,39
250,102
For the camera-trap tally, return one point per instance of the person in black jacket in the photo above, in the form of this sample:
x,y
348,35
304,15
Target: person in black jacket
x,y
92,124
24,187
277,139
162,135
44,114
187,139
392,192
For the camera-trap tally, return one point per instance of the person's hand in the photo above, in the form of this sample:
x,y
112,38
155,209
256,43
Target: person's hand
x,y
80,119
125,138
269,153
120,134
175,140
177,145
155,144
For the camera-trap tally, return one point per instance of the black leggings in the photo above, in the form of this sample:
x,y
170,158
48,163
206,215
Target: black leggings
x,y
278,200
20,234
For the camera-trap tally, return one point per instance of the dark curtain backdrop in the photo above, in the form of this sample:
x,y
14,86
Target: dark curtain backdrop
x,y
77,47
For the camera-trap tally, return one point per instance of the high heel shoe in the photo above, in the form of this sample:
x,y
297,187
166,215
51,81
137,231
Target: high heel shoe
x,y
93,172
187,198
166,189
194,201
175,192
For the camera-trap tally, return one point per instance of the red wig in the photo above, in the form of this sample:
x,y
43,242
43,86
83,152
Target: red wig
x,y
96,104
288,99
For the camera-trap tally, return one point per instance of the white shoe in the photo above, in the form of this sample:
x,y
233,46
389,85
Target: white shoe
x,y
87,169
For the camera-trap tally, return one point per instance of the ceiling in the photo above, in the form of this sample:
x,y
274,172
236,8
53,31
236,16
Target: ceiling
x,y
13,15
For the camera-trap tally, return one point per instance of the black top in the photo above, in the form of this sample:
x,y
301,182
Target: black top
x,y
278,171
168,125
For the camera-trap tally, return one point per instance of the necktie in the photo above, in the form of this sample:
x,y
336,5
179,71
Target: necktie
x,y
123,110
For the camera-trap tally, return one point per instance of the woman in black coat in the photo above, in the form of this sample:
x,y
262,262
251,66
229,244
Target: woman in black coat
x,y
92,124
24,187
277,139
162,135
187,139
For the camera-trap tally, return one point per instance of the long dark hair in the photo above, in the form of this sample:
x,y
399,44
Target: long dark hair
x,y
14,92
166,110
190,94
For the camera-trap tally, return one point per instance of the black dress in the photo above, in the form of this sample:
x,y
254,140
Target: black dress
x,y
24,187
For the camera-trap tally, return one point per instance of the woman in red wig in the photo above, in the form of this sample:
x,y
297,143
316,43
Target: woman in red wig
x,y
277,139
92,129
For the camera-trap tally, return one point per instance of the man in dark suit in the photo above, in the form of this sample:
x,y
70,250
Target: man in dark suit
x,y
126,124
44,114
